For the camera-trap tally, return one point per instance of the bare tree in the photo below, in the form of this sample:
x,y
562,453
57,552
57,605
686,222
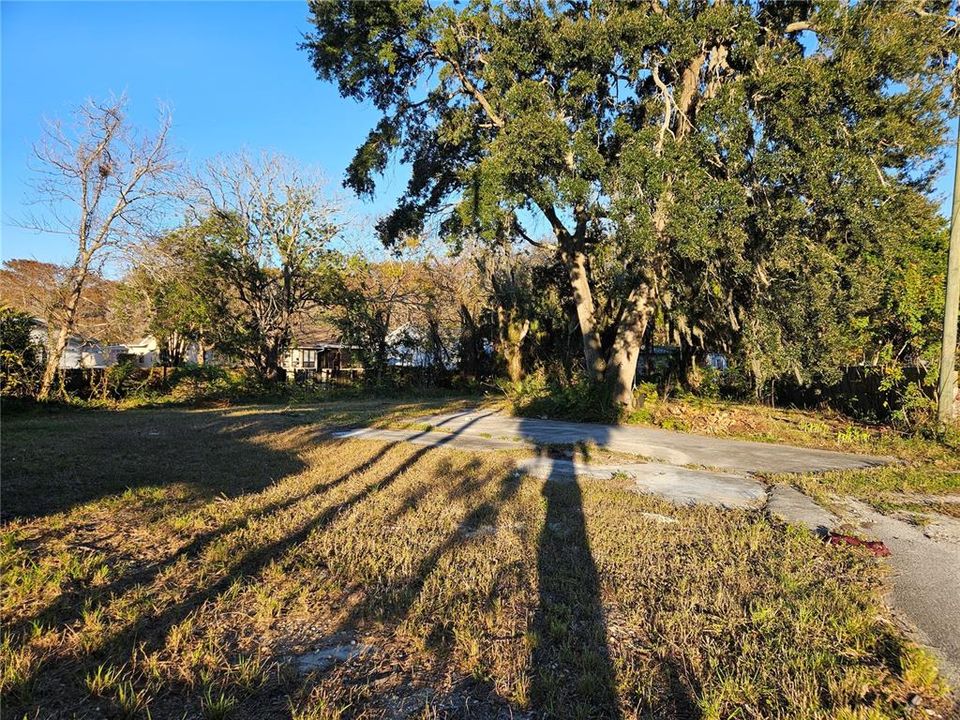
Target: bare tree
x,y
262,228
99,182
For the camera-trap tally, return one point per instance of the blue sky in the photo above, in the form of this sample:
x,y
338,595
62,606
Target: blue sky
x,y
230,70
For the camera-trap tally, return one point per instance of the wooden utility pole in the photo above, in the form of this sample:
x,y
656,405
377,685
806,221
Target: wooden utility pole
x,y
947,383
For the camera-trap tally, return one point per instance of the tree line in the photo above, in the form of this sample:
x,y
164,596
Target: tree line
x,y
588,180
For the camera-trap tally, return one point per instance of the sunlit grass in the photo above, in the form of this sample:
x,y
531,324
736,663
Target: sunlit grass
x,y
252,537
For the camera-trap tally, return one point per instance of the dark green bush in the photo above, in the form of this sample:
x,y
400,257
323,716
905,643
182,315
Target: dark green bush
x,y
20,357
578,399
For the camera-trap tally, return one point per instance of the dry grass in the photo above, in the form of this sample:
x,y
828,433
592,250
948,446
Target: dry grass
x,y
805,428
248,537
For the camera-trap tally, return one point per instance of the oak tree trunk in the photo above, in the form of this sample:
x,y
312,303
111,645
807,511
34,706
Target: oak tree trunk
x,y
621,370
512,333
576,263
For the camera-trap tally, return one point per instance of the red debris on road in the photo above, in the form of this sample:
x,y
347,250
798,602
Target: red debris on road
x,y
874,546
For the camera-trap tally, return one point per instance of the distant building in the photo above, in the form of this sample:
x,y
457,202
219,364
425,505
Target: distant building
x,y
80,352
320,352
90,354
410,346
146,351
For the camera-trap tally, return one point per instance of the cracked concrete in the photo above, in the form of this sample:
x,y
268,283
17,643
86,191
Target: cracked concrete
x,y
679,485
925,583
790,505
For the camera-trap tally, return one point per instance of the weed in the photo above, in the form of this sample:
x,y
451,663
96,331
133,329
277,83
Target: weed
x,y
320,706
852,435
104,680
551,597
217,706
130,702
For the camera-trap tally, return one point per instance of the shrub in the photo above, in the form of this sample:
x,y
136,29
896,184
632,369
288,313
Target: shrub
x,y
578,399
20,357
117,377
194,382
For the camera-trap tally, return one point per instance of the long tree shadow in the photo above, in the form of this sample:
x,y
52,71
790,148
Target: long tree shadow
x,y
149,632
572,673
400,596
572,669
56,461
72,603
54,464
77,599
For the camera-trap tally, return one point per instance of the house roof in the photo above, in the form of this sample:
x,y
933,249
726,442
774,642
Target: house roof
x,y
41,324
316,335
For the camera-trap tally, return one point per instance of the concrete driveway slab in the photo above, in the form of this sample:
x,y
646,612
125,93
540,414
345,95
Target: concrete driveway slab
x,y
666,446
792,506
679,485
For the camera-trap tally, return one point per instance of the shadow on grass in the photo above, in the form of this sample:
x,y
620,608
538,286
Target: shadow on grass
x,y
71,604
572,673
149,632
396,601
57,462
54,461
571,668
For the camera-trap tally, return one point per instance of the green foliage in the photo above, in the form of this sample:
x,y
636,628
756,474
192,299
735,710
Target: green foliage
x,y
20,355
119,376
764,169
251,260
579,399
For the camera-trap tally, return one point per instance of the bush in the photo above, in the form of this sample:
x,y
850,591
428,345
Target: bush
x,y
20,356
191,382
117,377
579,399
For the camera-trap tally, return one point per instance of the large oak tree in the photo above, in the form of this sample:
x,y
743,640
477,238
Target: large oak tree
x,y
699,162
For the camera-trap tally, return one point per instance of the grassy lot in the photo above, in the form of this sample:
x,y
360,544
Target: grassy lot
x,y
173,563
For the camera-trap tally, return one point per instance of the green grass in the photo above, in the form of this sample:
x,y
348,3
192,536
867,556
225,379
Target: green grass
x,y
174,562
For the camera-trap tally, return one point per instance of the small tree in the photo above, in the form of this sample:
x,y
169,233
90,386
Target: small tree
x,y
259,244
171,286
99,182
509,279
371,299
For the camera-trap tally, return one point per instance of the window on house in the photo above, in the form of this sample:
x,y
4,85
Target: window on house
x,y
309,359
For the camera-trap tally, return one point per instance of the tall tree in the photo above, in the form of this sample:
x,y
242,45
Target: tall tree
x,y
99,182
682,153
260,232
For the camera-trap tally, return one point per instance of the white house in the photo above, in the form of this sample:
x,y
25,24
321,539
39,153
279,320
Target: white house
x,y
79,353
89,354
409,346
146,350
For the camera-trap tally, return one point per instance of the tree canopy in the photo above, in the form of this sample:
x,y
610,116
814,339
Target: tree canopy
x,y
737,171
